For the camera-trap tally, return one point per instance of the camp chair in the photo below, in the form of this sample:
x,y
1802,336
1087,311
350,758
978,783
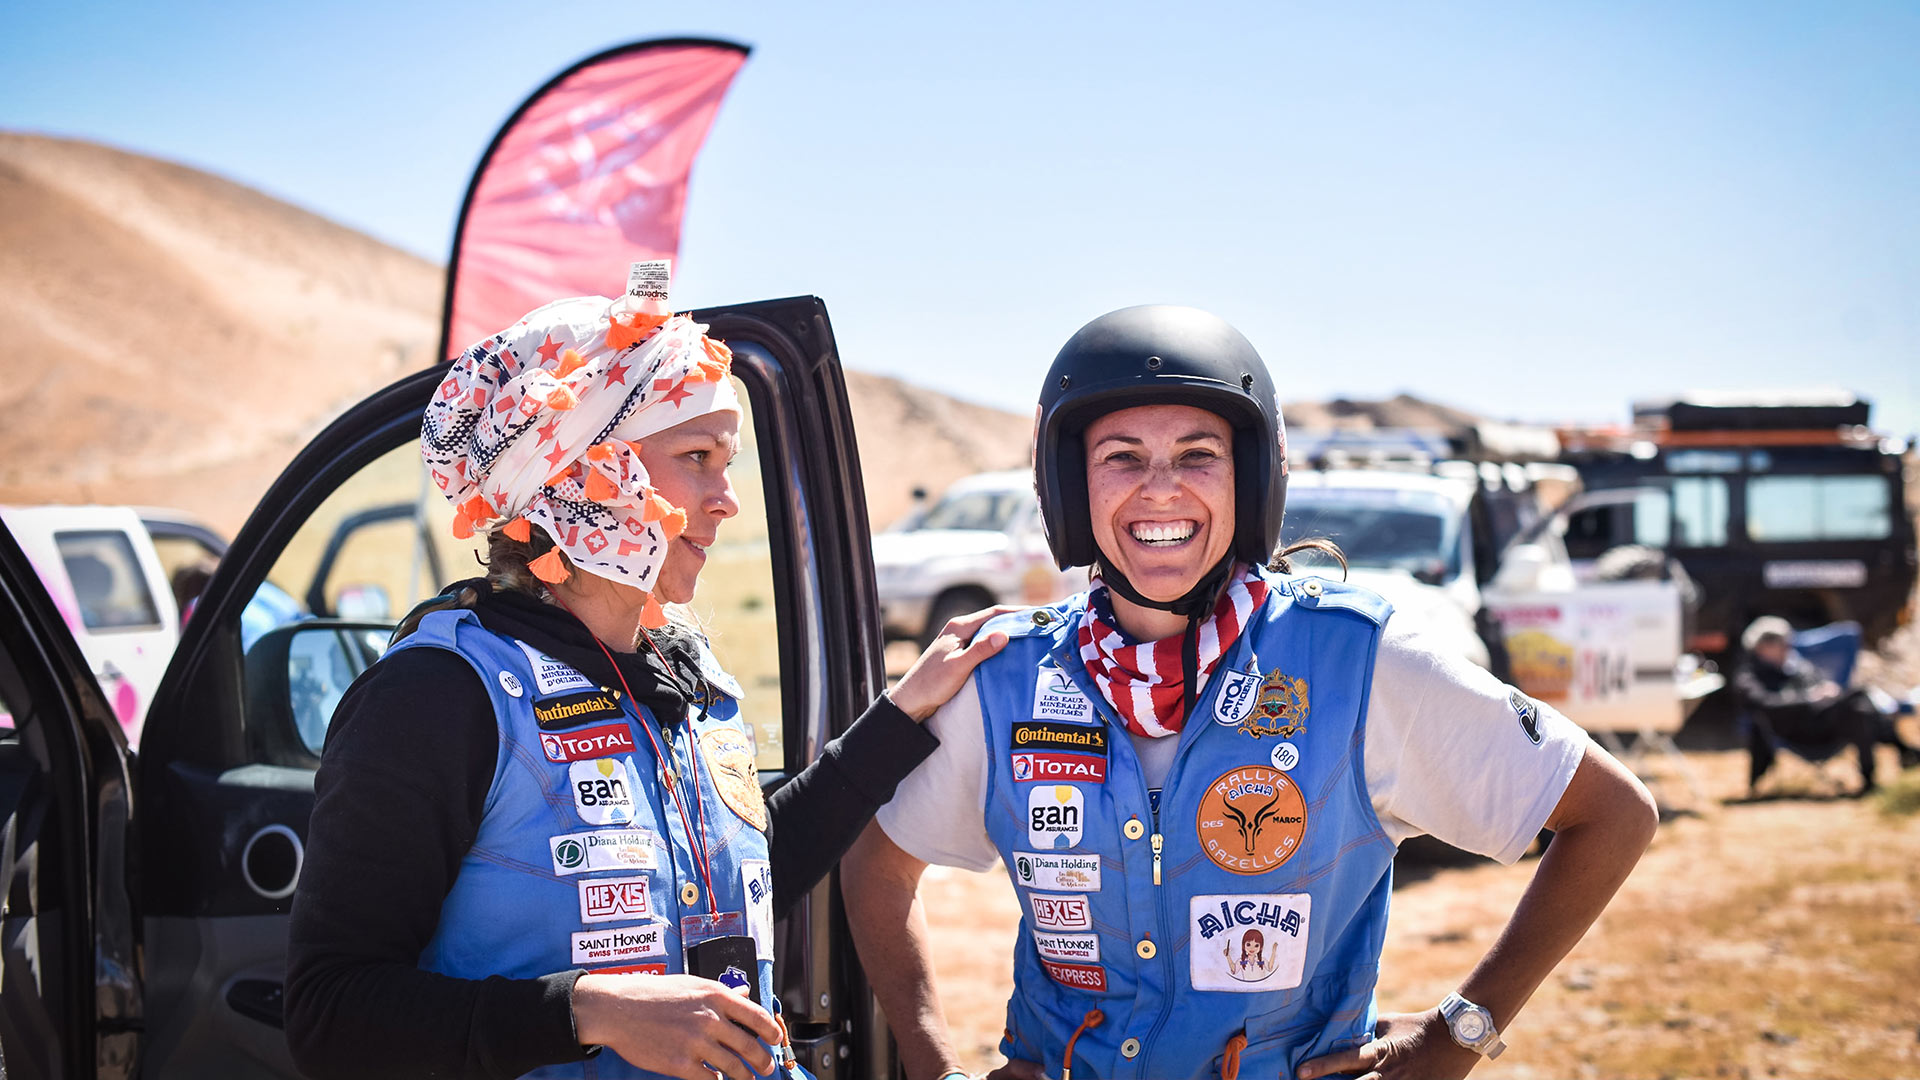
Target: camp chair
x,y
1833,650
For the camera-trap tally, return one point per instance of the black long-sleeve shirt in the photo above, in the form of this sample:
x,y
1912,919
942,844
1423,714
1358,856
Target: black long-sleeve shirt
x,y
399,796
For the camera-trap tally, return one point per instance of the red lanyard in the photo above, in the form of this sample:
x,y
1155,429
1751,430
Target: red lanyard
x,y
701,859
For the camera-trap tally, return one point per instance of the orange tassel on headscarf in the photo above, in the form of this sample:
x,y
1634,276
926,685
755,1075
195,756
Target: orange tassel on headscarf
x,y
570,362
656,506
562,399
674,524
519,529
653,616
598,487
462,526
632,329
550,568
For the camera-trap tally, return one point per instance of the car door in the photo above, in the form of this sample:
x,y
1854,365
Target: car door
x,y
225,774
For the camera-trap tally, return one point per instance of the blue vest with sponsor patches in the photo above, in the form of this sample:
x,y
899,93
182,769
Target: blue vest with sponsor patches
x,y
582,859
1273,872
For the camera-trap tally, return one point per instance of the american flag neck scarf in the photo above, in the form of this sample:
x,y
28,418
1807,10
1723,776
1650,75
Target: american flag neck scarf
x,y
1142,680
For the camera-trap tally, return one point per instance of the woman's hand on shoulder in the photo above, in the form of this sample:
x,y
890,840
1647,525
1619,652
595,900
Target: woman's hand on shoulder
x,y
674,1024
1405,1046
943,669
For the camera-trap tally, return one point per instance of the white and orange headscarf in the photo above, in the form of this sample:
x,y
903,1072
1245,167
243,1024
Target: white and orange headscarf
x,y
535,425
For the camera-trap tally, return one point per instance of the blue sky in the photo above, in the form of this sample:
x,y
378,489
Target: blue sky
x,y
1528,210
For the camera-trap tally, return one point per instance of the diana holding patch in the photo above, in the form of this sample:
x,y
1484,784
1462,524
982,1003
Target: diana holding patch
x,y
539,845
1197,772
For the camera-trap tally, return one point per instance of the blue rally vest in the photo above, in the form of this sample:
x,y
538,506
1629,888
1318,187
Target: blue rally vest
x,y
582,859
1273,872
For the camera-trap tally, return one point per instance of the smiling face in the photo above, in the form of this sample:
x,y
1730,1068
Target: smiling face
x,y
687,464
1160,489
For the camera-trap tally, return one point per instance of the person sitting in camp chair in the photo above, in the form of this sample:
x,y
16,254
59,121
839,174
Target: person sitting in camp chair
x,y
1790,702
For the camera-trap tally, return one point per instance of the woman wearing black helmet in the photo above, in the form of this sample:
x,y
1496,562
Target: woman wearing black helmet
x,y
1199,747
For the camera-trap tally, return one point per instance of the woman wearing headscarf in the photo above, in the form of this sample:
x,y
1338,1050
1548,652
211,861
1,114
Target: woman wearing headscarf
x,y
538,828
1197,771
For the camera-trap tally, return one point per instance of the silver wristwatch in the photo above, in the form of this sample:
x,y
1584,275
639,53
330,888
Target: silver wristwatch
x,y
1471,1026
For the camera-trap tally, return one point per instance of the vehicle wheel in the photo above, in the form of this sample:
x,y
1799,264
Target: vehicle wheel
x,y
950,605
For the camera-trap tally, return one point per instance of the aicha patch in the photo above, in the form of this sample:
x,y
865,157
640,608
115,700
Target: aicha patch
x,y
728,754
1251,819
1281,709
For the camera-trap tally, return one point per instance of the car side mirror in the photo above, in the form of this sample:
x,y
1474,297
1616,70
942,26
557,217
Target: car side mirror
x,y
296,676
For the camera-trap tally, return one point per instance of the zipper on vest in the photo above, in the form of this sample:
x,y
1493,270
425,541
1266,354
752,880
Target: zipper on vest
x,y
1156,849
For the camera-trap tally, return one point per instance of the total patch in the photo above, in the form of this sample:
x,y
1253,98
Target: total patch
x,y
1078,976
1248,944
1055,767
756,878
607,849
728,754
1238,692
603,790
1066,914
1064,873
1071,948
550,676
1054,816
601,740
1055,697
558,714
620,944
1251,819
1054,735
1281,708
614,899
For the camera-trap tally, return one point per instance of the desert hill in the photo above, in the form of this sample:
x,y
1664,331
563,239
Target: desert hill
x,y
174,338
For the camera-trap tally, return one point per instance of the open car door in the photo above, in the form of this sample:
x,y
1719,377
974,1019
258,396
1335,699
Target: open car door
x,y
226,767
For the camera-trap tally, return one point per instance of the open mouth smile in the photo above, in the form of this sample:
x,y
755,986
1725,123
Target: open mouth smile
x,y
1163,534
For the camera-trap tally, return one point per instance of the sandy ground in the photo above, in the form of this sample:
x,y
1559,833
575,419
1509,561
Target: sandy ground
x,y
1778,937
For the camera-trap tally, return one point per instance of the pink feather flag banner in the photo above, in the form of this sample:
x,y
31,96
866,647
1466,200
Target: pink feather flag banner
x,y
588,176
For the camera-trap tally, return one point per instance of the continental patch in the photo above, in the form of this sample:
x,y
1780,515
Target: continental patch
x,y
557,714
1091,768
1280,710
603,790
614,899
1248,944
1072,948
1065,873
728,753
550,676
620,944
601,740
1066,914
605,849
1053,735
1251,819
1079,976
1054,816
1055,697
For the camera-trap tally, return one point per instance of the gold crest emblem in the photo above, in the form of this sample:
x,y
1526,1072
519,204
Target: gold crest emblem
x,y
728,753
1281,710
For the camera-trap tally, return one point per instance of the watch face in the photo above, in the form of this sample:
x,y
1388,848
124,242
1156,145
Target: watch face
x,y
1471,1026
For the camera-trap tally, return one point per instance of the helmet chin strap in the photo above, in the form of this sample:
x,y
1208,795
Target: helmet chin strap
x,y
1195,604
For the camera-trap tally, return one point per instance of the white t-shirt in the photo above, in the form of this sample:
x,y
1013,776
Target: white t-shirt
x,y
1445,754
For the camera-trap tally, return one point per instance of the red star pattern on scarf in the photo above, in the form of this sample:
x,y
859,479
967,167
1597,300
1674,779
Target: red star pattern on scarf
x,y
559,453
549,349
547,429
617,374
678,394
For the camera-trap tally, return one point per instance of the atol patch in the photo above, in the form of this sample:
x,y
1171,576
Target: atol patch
x,y
603,790
1239,690
603,849
620,944
1079,976
1251,819
1064,873
1054,735
601,740
1055,813
1091,768
1055,697
1248,944
561,713
1281,708
614,899
728,754
1064,914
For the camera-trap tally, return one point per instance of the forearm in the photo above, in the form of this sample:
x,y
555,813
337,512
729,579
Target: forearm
x,y
879,884
818,814
1604,823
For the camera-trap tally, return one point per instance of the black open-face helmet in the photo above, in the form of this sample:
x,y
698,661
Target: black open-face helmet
x,y
1159,355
